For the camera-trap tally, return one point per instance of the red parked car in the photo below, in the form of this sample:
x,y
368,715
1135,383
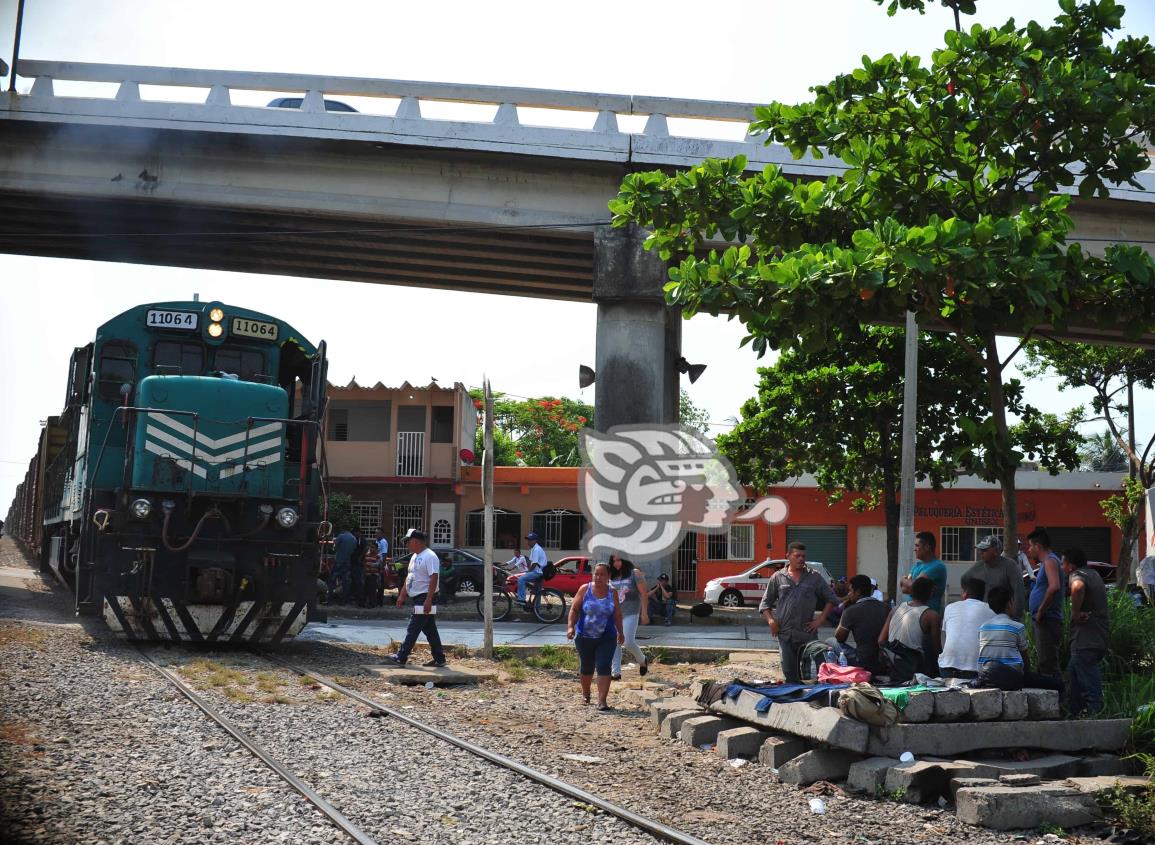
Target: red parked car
x,y
572,572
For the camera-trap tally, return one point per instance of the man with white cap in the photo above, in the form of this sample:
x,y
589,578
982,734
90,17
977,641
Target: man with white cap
x,y
421,586
537,563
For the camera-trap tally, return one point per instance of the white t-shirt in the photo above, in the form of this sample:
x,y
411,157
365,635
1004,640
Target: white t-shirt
x,y
422,565
1147,570
517,563
960,634
537,558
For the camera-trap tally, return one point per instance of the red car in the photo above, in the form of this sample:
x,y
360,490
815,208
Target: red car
x,y
572,572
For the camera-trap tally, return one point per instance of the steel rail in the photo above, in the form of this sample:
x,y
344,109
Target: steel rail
x,y
255,748
654,828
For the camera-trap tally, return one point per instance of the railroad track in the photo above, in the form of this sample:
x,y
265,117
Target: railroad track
x,y
649,826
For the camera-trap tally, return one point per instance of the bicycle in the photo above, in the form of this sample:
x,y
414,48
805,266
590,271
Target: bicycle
x,y
546,603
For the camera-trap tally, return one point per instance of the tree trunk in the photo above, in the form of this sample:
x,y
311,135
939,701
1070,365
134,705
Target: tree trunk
x,y
1006,469
1126,559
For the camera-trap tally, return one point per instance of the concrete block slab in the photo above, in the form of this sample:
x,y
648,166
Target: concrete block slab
x,y
1010,808
672,724
410,675
869,775
1042,704
822,724
919,707
819,764
951,706
1104,783
741,742
664,706
965,783
777,751
1019,780
1050,767
1015,706
702,730
921,781
964,737
1095,765
986,704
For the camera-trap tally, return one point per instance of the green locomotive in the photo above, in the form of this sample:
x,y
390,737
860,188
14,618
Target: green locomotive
x,y
180,492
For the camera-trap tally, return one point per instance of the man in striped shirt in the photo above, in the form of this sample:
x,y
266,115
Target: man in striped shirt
x,y
1003,649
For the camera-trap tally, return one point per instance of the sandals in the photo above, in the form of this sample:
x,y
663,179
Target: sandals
x,y
586,700
644,668
604,708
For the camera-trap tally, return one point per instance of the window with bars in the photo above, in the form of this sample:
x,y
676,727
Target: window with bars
x,y
957,542
368,516
741,542
406,517
506,529
339,424
717,547
559,528
442,533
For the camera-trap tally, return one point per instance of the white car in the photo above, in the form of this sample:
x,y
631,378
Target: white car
x,y
746,588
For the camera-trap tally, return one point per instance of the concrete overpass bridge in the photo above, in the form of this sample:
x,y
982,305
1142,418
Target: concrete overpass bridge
x,y
163,167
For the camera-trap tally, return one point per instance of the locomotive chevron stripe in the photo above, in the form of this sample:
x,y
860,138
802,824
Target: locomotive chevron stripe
x,y
198,452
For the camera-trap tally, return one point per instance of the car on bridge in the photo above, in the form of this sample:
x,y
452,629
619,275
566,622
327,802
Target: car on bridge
x,y
746,588
295,103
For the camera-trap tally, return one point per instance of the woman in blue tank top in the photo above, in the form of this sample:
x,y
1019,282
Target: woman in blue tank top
x,y
595,626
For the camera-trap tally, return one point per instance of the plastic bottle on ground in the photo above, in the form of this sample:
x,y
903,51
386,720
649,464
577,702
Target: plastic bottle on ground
x,y
817,806
842,659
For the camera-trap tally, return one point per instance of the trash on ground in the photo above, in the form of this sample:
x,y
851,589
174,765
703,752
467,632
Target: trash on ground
x,y
817,806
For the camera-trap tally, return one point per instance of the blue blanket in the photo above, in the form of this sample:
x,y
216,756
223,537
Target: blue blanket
x,y
784,693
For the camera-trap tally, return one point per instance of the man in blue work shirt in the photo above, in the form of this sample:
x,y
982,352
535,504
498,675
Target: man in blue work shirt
x,y
537,562
928,566
343,547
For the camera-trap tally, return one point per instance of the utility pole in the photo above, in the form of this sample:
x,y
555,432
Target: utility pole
x,y
909,416
487,499
16,45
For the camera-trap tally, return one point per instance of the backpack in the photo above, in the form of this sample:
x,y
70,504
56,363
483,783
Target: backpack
x,y
866,704
548,571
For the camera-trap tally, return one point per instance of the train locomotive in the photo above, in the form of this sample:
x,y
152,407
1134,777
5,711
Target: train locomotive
x,y
180,493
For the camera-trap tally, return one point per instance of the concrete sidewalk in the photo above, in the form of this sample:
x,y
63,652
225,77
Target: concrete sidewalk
x,y
471,634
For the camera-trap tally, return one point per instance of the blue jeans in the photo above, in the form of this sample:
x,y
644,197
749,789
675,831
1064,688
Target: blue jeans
x,y
527,578
596,653
663,608
1086,681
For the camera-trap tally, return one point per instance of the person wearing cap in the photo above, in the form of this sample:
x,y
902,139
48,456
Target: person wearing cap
x,y
996,570
663,599
537,562
420,586
877,593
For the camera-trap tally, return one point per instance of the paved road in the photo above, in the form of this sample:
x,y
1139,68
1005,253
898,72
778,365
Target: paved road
x,y
470,634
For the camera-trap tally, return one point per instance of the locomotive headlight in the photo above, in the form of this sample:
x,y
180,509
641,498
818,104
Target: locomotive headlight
x,y
287,517
216,330
216,315
141,508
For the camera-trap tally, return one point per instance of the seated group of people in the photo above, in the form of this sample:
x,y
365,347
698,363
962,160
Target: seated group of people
x,y
979,638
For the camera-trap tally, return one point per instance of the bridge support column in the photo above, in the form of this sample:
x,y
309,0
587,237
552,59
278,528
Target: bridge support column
x,y
639,337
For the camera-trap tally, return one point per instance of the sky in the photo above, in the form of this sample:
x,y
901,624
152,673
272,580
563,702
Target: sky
x,y
726,50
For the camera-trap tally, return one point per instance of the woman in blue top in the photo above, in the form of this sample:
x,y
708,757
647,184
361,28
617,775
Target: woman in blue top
x,y
595,626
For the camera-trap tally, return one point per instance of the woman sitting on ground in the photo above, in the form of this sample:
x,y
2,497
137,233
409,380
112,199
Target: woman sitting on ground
x,y
595,626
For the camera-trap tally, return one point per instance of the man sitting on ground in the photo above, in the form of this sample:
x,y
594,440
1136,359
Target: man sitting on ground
x,y
1003,649
912,634
863,619
662,600
960,631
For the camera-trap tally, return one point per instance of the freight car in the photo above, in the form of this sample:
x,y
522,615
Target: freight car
x,y
180,493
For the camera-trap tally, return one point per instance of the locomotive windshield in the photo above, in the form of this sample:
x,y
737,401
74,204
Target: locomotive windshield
x,y
172,357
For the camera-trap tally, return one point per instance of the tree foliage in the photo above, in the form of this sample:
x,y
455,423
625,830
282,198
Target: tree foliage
x,y
690,415
950,205
1101,453
837,414
542,432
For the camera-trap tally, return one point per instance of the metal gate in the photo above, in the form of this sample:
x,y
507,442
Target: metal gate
x,y
686,565
825,544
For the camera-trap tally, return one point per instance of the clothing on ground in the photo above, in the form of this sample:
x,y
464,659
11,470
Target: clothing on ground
x,y
960,634
785,693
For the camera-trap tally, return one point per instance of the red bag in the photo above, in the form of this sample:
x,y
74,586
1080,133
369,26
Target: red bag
x,y
832,673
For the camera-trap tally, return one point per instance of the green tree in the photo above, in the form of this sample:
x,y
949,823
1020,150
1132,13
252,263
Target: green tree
x,y
1101,453
341,512
837,414
950,206
1110,372
690,415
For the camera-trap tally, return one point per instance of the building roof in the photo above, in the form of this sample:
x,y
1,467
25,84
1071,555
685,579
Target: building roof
x,y
433,385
